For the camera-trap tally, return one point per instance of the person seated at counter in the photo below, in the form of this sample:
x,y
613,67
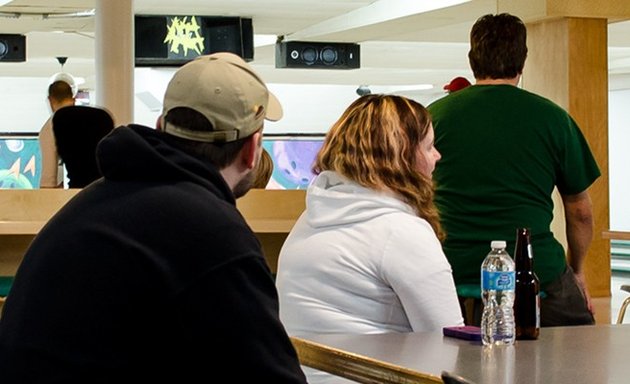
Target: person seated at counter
x,y
150,274
365,256
263,171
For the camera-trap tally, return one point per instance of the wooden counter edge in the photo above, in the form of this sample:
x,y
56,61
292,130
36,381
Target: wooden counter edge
x,y
356,367
8,227
616,235
25,212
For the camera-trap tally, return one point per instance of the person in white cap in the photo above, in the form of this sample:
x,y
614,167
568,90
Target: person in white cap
x,y
150,274
60,94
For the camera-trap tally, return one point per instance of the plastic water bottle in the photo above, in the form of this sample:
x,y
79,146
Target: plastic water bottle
x,y
497,292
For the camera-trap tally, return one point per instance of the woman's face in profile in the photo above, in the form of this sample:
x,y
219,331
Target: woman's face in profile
x,y
427,155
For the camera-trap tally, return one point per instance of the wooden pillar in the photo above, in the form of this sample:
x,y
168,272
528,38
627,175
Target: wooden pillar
x,y
115,58
567,63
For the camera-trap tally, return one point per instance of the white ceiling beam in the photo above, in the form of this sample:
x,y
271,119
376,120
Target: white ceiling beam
x,y
380,11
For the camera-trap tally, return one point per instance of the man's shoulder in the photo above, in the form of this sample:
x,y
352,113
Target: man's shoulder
x,y
441,108
453,100
541,101
46,127
437,103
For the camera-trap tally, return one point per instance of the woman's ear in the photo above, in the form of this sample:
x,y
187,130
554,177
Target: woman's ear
x,y
158,123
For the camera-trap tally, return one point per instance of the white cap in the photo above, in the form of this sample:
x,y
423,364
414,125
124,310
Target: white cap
x,y
67,78
227,91
498,244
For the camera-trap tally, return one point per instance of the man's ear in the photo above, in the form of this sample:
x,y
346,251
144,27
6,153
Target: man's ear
x,y
250,149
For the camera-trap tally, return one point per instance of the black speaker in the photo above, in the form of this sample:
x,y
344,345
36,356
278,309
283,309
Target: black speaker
x,y
247,38
12,47
307,54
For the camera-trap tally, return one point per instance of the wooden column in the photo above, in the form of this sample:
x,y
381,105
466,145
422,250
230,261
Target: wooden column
x,y
567,63
115,58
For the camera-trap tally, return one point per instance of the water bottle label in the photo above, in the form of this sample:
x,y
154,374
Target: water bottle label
x,y
498,280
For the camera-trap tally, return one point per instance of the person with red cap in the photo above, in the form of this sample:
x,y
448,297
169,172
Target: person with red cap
x,y
456,84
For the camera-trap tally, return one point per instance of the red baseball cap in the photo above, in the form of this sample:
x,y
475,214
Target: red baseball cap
x,y
456,84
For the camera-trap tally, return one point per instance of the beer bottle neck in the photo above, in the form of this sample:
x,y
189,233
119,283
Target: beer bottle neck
x,y
523,256
523,259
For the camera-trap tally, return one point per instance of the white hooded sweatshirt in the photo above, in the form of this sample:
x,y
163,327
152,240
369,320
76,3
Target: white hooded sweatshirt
x,y
361,261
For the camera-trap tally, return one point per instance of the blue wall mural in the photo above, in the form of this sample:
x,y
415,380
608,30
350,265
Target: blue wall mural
x,y
20,162
292,160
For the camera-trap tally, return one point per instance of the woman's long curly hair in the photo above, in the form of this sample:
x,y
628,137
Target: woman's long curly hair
x,y
374,143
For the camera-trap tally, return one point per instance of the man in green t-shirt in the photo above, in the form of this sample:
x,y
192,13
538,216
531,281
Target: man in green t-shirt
x,y
504,150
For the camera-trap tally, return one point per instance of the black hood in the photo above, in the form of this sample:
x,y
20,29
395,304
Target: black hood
x,y
138,153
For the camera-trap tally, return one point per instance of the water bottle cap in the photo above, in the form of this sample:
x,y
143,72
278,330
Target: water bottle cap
x,y
498,244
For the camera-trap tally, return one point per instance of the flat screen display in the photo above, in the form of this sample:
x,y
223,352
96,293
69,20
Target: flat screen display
x,y
20,161
162,40
293,158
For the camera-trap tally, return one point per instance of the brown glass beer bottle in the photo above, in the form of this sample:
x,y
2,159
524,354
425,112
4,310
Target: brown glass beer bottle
x,y
526,294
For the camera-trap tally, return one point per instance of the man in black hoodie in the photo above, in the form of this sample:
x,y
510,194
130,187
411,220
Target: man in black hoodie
x,y
151,274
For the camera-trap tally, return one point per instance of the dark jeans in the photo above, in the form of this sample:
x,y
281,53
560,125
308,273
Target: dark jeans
x,y
563,304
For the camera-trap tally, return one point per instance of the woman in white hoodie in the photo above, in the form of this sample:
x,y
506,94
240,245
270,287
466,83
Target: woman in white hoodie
x,y
365,256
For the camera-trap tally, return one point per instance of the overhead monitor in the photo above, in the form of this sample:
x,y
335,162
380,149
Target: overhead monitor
x,y
173,40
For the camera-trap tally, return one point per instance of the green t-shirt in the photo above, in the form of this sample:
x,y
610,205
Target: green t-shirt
x,y
503,151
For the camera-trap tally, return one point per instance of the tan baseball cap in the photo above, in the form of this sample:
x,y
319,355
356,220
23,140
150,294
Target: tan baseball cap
x,y
227,91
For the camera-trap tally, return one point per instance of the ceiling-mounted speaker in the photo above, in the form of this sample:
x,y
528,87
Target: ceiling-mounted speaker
x,y
12,47
308,54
